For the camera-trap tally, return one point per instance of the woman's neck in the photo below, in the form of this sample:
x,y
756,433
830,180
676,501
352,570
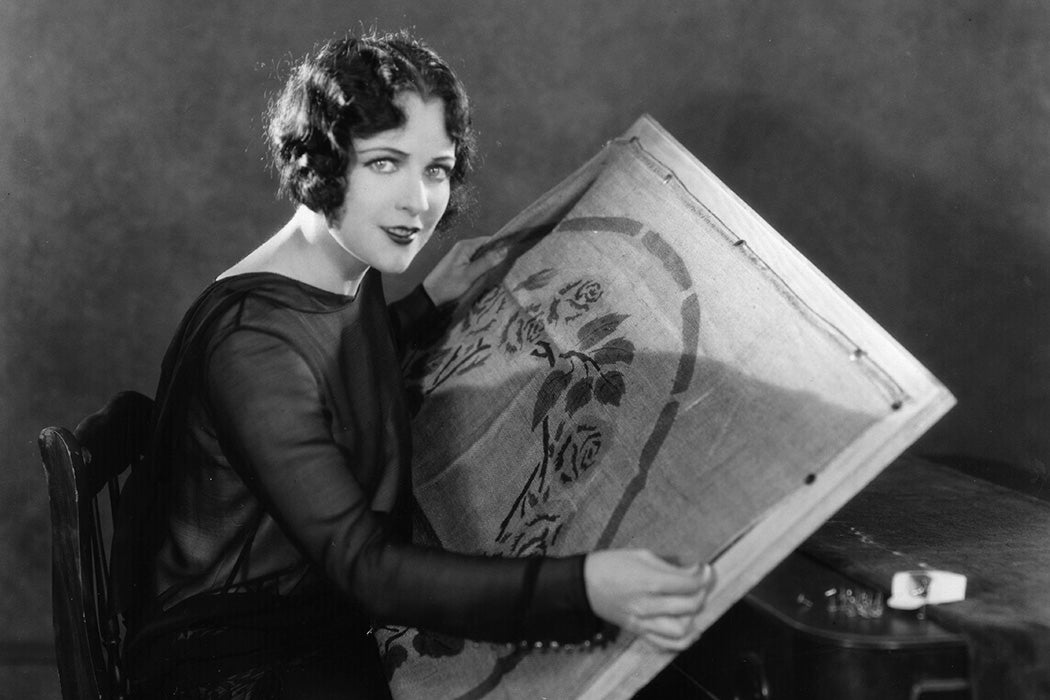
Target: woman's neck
x,y
304,250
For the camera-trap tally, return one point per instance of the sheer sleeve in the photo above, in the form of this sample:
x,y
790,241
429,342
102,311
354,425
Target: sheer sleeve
x,y
270,418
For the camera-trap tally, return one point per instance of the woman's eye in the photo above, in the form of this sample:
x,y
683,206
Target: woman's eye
x,y
382,165
439,173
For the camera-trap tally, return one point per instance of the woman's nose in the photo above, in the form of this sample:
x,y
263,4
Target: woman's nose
x,y
414,198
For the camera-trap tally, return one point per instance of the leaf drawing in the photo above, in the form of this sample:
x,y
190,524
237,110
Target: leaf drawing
x,y
463,359
592,332
552,389
579,395
537,279
609,388
616,350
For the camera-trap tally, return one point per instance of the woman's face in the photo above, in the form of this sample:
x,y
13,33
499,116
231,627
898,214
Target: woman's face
x,y
398,188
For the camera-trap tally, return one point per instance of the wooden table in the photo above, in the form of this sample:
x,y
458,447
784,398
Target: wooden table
x,y
919,514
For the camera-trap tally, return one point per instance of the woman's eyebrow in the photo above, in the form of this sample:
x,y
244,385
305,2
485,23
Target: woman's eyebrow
x,y
402,154
385,149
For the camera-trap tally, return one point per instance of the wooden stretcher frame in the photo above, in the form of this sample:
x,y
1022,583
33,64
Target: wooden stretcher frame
x,y
784,527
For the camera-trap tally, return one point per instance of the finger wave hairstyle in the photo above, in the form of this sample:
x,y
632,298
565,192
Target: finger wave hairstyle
x,y
347,90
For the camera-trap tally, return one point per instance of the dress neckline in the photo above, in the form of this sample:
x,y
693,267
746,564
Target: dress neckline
x,y
263,281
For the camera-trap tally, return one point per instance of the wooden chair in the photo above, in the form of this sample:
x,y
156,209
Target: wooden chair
x,y
83,469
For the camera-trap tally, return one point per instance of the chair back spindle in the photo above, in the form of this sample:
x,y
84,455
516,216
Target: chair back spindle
x,y
82,469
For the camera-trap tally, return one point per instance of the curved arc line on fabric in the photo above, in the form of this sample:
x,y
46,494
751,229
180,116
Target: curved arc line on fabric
x,y
638,481
671,260
690,342
683,377
653,242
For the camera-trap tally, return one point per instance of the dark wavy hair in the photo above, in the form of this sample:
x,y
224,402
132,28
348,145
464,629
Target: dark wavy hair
x,y
347,90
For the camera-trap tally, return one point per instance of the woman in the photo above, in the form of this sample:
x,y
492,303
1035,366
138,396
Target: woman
x,y
273,519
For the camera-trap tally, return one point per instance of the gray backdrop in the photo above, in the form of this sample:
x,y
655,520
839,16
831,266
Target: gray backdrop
x,y
903,146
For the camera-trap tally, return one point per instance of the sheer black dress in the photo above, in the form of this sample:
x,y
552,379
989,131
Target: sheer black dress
x,y
269,529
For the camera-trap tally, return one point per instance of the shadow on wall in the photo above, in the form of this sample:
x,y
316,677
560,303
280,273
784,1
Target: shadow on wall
x,y
942,271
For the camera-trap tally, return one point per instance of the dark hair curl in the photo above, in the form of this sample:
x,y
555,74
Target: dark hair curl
x,y
346,90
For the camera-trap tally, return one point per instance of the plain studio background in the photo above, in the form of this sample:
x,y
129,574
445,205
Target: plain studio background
x,y
903,147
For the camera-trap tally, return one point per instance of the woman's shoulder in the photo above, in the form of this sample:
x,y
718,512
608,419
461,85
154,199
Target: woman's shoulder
x,y
242,302
266,309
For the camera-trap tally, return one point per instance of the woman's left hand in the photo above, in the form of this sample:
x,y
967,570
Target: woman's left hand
x,y
460,268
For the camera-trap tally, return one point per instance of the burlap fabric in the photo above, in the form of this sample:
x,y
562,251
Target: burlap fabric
x,y
633,375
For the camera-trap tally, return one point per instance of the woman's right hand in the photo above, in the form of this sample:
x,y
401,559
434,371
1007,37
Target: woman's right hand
x,y
649,596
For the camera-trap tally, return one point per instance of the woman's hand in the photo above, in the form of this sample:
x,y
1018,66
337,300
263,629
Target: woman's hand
x,y
460,268
647,595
